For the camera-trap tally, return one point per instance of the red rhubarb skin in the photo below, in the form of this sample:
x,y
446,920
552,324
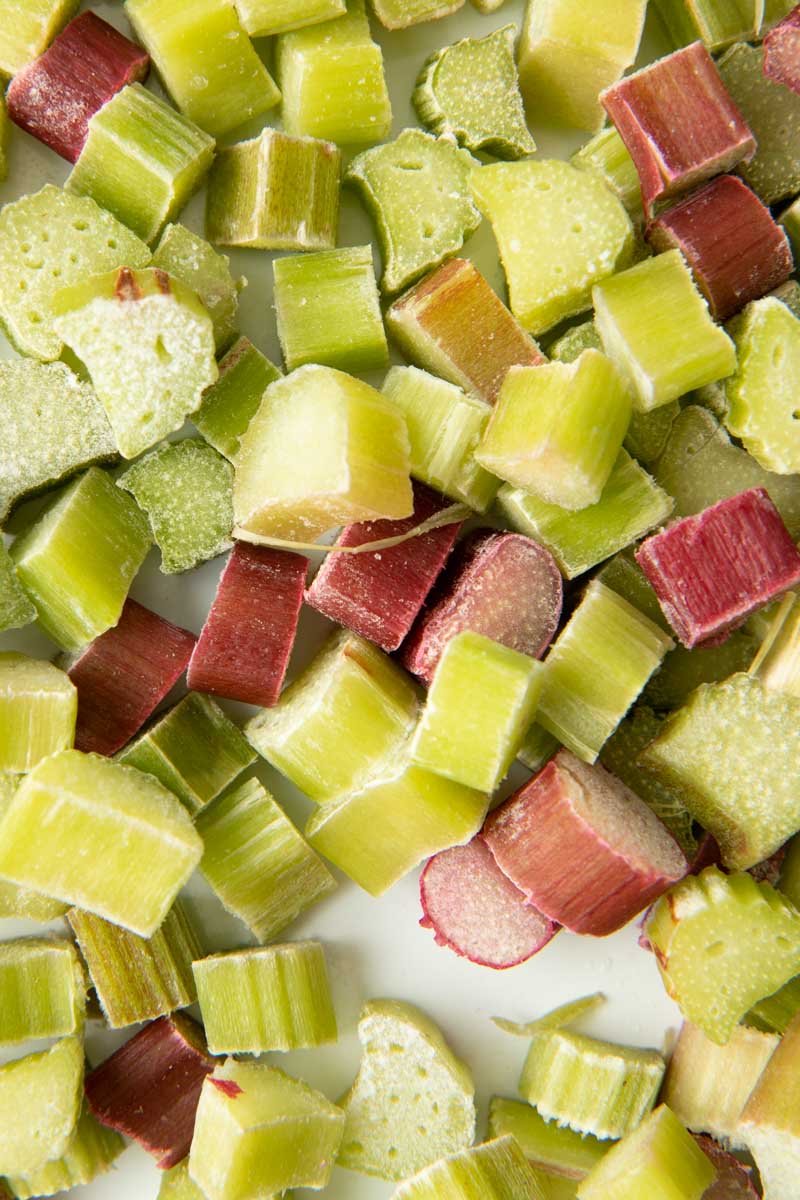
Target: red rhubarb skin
x,y
55,98
502,585
782,52
123,676
150,1088
734,1178
244,647
711,570
380,595
679,123
736,251
477,912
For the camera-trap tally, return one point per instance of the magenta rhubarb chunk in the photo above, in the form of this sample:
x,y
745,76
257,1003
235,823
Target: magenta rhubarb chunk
x,y
150,1088
57,95
679,123
380,595
782,51
711,570
734,1178
477,912
123,676
582,847
502,585
736,251
244,647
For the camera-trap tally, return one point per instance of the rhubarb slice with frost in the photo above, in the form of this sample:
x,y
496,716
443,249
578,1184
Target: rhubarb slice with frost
x,y
91,1152
498,1169
38,706
548,1146
40,1102
658,1160
782,52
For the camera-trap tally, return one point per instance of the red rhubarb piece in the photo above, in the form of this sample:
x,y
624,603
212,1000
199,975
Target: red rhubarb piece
x,y
736,251
150,1088
782,51
475,910
123,676
711,570
244,647
57,95
380,595
582,847
503,585
679,123
734,1178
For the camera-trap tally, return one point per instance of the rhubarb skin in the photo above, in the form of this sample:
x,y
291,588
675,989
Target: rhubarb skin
x,y
734,1178
244,647
736,251
711,570
124,675
782,52
621,857
57,95
149,1089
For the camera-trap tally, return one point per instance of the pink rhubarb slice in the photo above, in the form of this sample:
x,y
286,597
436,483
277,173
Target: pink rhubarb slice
x,y
734,1178
782,51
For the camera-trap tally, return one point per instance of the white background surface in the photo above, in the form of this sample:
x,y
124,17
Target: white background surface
x,y
375,947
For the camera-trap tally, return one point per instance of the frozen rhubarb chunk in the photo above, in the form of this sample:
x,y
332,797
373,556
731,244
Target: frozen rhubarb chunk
x,y
28,26
57,95
38,707
607,156
782,50
769,1124
395,1126
205,60
191,260
549,1147
324,449
92,1150
16,609
716,23
230,404
560,231
43,990
416,189
275,192
16,901
40,1101
176,1184
498,1169
658,1160
399,14
761,396
263,18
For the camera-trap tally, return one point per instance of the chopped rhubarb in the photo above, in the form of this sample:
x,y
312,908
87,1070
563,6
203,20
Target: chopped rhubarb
x,y
57,95
782,52
734,1178
712,570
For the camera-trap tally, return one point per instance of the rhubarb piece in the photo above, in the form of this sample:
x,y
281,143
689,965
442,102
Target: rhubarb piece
x,y
491,117
195,750
328,311
5,130
263,18
257,863
477,912
230,404
15,901
538,747
790,873
38,706
399,14
624,576
559,231
775,1013
91,1151
138,979
108,839
761,397
781,52
275,192
40,1101
57,95
43,990
176,1184
498,1169
716,24
659,1160
323,449
413,1101
77,560
769,1122
684,670
191,260
205,61
266,998
259,1131
28,28
416,190
607,155
777,663
549,1147
124,675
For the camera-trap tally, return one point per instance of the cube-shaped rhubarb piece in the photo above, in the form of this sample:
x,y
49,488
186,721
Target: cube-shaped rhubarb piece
x,y
263,18
555,1149
559,230
769,1124
399,14
275,192
658,1160
782,52
16,609
43,990
190,259
92,1151
715,22
497,1168
16,901
230,404
40,1102
38,707
57,95
28,27
761,396
607,156
323,449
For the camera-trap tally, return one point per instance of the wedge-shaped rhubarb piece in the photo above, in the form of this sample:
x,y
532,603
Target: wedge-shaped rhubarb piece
x,y
775,1013
498,1169
91,1151
399,14
777,663
40,1101
177,1184
43,990
607,155
258,864
57,95
559,230
659,1160
263,18
769,1122
781,46
38,706
230,404
275,192
537,748
549,1147
259,1131
191,260
715,22
15,901
124,675
761,397
28,27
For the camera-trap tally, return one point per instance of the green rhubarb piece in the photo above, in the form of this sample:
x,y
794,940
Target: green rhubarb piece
x,y
607,155
190,259
263,18
205,60
259,1131
91,1152
684,670
470,90
481,701
28,27
659,1160
399,14
195,750
723,942
333,81
416,189
257,863
716,23
15,901
412,1102
624,576
38,710
557,1018
275,192
538,747
497,1170
108,839
445,427
769,1122
774,11
138,979
328,310
5,132
43,990
572,344
324,449
186,489
78,559
147,343
142,161
266,998
560,231
230,404
548,1146
775,1013
176,1184
40,1102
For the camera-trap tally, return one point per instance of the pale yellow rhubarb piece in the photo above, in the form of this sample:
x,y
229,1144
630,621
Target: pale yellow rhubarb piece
x,y
40,1101
769,1123
38,710
399,14
497,1170
16,901
555,1149
27,27
91,1151
43,990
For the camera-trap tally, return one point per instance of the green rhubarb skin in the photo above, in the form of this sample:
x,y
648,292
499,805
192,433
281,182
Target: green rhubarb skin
x,y
264,18
40,1101
497,1169
761,396
38,711
684,670
775,1013
230,404
556,1149
91,1152
43,990
717,23
28,27
559,230
190,259
538,747
606,155
624,575
14,901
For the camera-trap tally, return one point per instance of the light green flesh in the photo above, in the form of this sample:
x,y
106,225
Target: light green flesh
x,y
716,23
607,155
572,344
198,266
763,408
38,710
775,1013
91,1151
538,747
16,901
546,1144
27,27
497,1170
399,14
624,576
43,990
40,1101
263,18
230,404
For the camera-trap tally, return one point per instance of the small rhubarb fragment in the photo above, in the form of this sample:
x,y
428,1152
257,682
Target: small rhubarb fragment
x,y
623,575
230,404
777,663
775,1013
548,1146
782,52
191,260
28,28
43,990
734,1178
399,14
40,1102
607,156
716,23
658,1160
38,706
769,1122
498,1169
264,18
91,1151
